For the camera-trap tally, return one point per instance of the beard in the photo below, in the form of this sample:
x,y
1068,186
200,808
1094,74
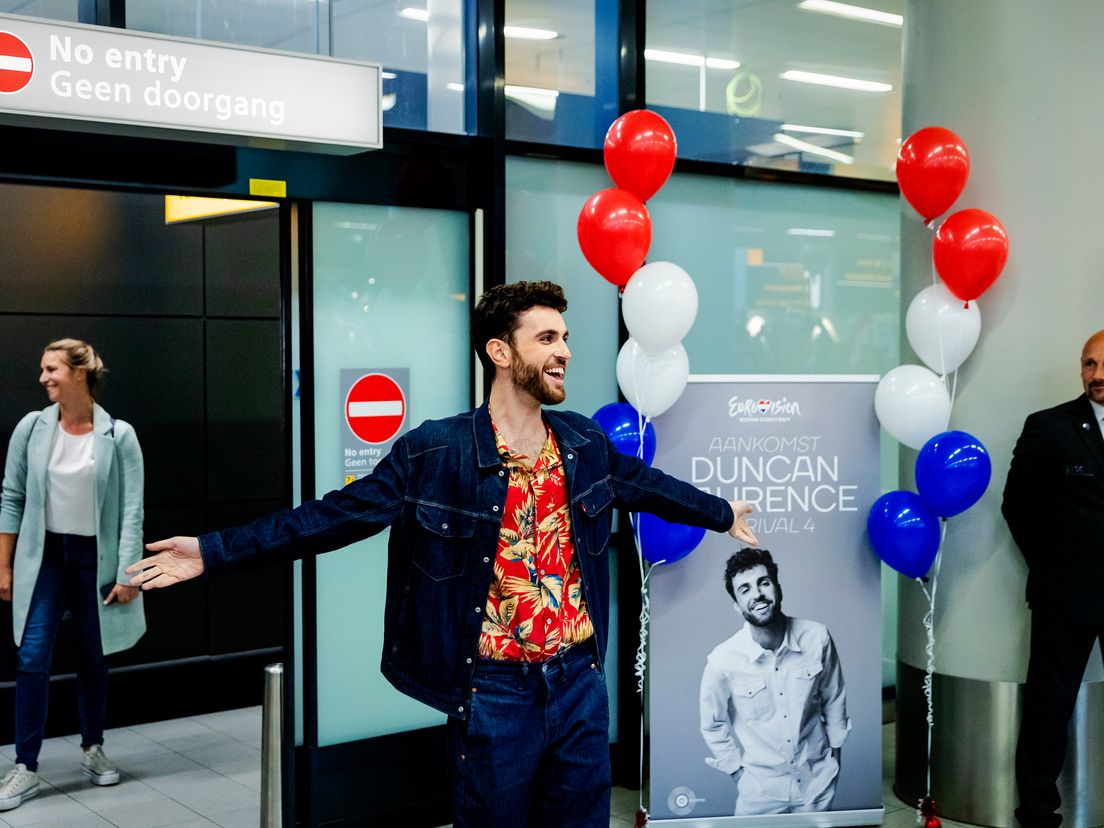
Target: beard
x,y
530,378
761,621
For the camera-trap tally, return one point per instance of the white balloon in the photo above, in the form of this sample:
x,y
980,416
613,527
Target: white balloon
x,y
652,382
912,404
659,305
936,314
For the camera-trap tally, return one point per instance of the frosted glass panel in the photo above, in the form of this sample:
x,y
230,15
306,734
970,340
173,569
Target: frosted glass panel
x,y
390,291
798,280
543,200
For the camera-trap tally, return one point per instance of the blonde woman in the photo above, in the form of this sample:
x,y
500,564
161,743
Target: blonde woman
x,y
70,524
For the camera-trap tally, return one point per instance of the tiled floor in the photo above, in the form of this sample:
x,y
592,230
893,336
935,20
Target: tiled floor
x,y
201,771
205,771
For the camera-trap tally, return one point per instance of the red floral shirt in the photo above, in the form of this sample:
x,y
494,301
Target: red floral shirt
x,y
535,606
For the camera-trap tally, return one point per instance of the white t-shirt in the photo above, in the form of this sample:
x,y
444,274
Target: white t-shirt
x,y
71,484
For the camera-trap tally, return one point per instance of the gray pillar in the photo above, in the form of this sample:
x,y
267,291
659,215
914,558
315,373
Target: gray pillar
x,y
1013,78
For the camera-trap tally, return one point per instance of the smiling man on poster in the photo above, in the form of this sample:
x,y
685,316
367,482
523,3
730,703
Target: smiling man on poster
x,y
773,706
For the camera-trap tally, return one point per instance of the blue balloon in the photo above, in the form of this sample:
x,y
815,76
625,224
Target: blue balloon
x,y
952,472
904,532
665,542
621,423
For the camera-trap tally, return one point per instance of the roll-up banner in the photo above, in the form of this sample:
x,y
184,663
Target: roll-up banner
x,y
765,671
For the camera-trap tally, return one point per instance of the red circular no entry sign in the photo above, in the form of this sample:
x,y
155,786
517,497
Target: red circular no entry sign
x,y
375,408
16,63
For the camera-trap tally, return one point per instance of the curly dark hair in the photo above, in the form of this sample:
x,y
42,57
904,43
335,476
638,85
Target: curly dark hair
x,y
497,311
748,558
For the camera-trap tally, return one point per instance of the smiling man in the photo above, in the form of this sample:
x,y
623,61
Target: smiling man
x,y
1054,506
497,606
773,707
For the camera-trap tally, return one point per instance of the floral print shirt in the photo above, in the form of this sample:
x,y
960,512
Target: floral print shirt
x,y
535,606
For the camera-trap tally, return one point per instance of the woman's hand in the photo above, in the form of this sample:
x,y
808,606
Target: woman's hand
x,y
122,594
5,583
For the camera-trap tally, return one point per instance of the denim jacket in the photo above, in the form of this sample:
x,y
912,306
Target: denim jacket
x,y
442,489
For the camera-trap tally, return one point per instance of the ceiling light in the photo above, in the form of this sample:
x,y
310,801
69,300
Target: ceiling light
x,y
415,14
852,12
524,33
722,63
388,75
810,231
681,58
192,208
812,149
847,133
836,80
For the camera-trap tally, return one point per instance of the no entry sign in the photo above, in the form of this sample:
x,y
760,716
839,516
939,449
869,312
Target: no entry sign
x,y
16,63
374,415
375,408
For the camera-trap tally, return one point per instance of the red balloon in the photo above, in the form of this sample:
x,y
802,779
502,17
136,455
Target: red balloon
x,y
615,232
969,251
640,152
932,168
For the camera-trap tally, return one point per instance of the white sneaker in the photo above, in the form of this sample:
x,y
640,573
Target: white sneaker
x,y
95,766
17,787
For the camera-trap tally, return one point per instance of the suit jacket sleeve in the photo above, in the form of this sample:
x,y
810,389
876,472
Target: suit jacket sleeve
x,y
1030,477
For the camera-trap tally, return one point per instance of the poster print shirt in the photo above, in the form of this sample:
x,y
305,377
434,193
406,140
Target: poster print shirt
x,y
535,606
776,714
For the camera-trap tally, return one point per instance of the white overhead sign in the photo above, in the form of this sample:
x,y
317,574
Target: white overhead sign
x,y
114,80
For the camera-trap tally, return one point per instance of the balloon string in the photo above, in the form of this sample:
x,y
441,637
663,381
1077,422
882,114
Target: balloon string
x,y
939,329
942,357
929,647
641,662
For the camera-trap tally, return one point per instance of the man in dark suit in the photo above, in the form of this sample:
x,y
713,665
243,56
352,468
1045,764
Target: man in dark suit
x,y
1054,505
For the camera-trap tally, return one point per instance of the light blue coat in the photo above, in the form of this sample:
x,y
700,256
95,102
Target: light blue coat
x,y
119,485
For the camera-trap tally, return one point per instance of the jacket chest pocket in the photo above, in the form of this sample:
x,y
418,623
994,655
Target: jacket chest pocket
x,y
444,541
750,697
596,508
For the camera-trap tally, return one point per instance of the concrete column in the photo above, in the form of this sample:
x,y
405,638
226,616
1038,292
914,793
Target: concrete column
x,y
1013,78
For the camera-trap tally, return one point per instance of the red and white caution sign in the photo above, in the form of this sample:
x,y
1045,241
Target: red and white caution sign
x,y
375,408
16,63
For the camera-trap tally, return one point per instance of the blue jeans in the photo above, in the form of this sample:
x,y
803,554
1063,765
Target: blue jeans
x,y
66,580
534,750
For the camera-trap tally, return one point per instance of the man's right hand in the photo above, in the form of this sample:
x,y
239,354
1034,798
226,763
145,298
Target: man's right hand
x,y
177,560
5,583
740,529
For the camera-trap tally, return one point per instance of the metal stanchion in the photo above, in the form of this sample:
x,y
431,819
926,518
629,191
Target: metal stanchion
x,y
272,719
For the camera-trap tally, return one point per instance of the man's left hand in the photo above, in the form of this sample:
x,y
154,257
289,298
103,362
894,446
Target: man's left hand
x,y
740,529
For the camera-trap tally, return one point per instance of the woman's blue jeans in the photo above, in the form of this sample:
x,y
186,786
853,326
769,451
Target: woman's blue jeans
x,y
66,580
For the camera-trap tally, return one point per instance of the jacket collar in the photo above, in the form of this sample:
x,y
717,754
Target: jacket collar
x,y
486,452
102,427
1090,428
102,422
749,648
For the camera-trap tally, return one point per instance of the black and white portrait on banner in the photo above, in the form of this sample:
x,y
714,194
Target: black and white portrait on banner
x,y
765,665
